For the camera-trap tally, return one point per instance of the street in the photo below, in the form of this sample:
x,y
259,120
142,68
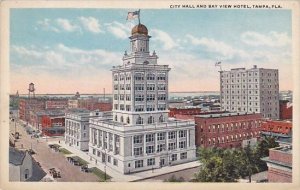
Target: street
x,y
48,158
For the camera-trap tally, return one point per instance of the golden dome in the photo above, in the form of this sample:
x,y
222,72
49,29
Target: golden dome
x,y
139,29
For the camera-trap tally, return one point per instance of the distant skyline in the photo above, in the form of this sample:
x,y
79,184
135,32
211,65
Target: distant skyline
x,y
70,50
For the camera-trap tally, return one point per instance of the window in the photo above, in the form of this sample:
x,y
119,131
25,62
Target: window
x,y
115,162
150,76
183,155
161,76
26,174
149,137
174,157
121,106
128,87
115,77
122,77
139,108
137,151
161,87
122,119
109,159
139,87
172,146
122,87
151,87
161,107
127,97
116,87
160,147
150,97
150,149
161,97
160,136
138,163
150,107
182,134
151,162
128,120
115,96
128,77
128,108
182,144
138,139
161,118
139,97
172,135
139,76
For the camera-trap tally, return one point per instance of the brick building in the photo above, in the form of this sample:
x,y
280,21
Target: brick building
x,y
56,103
280,164
227,130
93,104
285,110
280,127
30,104
53,123
184,111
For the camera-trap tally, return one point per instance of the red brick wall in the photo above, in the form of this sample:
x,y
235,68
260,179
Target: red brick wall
x,y
282,127
276,175
280,156
285,111
56,104
248,130
184,111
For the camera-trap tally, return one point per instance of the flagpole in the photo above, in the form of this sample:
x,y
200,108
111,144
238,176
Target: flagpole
x,y
139,17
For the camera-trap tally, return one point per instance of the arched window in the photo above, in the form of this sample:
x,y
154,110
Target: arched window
x,y
128,120
139,120
116,118
161,118
150,120
122,119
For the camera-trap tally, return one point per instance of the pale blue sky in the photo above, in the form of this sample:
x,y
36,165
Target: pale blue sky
x,y
77,47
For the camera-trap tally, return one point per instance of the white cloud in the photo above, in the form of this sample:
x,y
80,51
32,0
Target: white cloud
x,y
91,24
67,25
211,45
120,30
162,37
273,39
47,25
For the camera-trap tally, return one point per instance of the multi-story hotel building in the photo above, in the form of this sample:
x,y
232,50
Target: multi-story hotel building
x,y
139,136
77,127
250,90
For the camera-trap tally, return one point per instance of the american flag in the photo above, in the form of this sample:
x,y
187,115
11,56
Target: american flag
x,y
218,63
133,15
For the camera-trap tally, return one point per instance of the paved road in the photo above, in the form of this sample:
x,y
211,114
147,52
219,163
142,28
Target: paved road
x,y
187,175
48,158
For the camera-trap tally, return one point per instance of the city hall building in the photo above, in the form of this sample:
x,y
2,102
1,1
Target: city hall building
x,y
250,90
139,136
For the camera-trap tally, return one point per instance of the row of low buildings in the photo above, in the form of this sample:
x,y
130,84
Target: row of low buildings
x,y
48,114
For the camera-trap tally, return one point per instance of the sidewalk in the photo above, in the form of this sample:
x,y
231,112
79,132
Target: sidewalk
x,y
116,176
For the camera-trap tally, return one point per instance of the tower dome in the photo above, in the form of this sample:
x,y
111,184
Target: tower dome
x,y
139,29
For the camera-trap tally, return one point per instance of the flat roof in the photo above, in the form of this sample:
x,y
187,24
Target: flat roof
x,y
224,114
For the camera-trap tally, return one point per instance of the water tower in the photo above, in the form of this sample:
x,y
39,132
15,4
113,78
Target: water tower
x,y
31,91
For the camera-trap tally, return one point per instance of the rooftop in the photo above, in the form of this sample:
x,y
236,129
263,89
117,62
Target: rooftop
x,y
16,156
208,115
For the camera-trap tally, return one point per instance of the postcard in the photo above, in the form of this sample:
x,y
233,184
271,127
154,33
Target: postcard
x,y
148,94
